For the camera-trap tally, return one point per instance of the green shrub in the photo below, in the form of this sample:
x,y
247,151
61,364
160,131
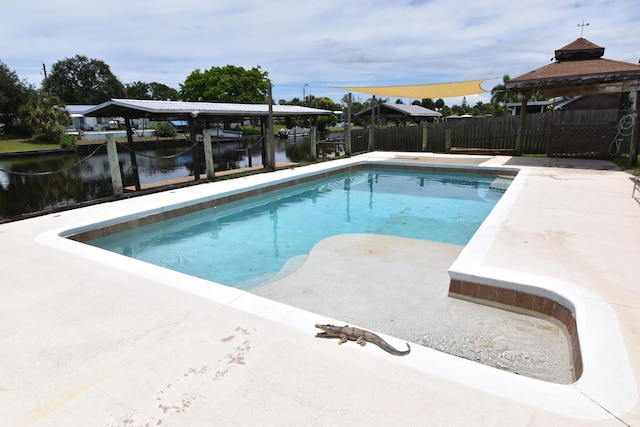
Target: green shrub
x,y
20,129
165,129
68,141
52,135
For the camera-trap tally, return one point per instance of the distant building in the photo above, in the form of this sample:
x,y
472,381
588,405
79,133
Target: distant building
x,y
587,102
400,113
81,123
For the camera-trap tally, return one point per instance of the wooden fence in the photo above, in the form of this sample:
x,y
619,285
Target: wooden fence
x,y
571,133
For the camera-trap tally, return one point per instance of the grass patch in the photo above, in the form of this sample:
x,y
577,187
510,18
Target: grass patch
x,y
9,144
622,160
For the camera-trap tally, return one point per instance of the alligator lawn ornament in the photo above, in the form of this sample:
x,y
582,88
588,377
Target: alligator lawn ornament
x,y
360,336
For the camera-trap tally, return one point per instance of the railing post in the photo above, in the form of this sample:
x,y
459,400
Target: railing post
x,y
372,125
196,151
132,154
635,132
522,126
347,128
313,137
114,165
208,153
425,129
247,145
270,135
447,140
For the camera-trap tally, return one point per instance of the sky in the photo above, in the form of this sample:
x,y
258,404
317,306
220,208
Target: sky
x,y
309,46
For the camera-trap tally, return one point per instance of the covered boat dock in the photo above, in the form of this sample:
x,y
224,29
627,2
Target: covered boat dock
x,y
204,113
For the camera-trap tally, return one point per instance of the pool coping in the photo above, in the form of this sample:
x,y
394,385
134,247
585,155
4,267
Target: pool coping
x,y
606,388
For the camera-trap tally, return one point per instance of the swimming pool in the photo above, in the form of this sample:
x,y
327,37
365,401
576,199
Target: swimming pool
x,y
595,321
246,242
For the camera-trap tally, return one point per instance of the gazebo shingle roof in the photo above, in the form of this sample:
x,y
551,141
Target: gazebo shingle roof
x,y
581,44
580,49
584,68
578,65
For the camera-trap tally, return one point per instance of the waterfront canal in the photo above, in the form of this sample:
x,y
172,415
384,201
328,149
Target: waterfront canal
x,y
27,184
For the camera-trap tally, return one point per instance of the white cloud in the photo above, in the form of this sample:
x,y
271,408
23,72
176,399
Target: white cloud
x,y
319,43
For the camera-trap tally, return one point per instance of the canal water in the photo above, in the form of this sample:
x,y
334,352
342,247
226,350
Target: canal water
x,y
28,186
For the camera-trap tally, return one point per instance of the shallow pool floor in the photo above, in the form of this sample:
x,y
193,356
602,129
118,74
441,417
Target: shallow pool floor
x,y
399,287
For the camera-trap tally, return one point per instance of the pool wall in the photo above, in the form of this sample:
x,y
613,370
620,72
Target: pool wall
x,y
526,303
118,225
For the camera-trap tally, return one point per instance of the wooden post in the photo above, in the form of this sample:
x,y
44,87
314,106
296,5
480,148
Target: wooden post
x,y
114,165
425,129
132,154
247,146
635,133
372,124
270,135
447,140
313,136
196,151
347,128
208,153
263,145
523,122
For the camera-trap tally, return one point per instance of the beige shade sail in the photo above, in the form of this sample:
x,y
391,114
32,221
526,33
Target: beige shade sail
x,y
435,90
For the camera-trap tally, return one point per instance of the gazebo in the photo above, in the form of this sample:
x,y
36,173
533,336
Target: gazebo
x,y
580,69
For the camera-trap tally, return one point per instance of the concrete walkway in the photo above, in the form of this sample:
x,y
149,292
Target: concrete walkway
x,y
91,338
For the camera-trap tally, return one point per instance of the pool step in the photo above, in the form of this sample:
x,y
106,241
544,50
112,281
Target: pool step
x,y
501,182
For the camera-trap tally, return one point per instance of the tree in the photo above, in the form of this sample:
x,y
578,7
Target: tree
x,y
165,129
439,104
227,84
80,80
323,103
13,94
500,95
142,90
356,107
47,116
428,103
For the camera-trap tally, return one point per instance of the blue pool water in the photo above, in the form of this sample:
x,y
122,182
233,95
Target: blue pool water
x,y
243,244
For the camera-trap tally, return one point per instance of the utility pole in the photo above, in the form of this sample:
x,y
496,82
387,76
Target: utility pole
x,y
44,68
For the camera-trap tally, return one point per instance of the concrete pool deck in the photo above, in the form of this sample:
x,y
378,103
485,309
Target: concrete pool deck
x,y
92,338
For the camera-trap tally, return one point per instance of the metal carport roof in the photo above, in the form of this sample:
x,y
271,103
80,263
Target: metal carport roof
x,y
403,110
138,108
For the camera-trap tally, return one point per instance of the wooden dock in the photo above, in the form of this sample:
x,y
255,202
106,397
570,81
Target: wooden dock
x,y
191,179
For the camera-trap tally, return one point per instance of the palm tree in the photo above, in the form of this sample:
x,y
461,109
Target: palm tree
x,y
500,94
